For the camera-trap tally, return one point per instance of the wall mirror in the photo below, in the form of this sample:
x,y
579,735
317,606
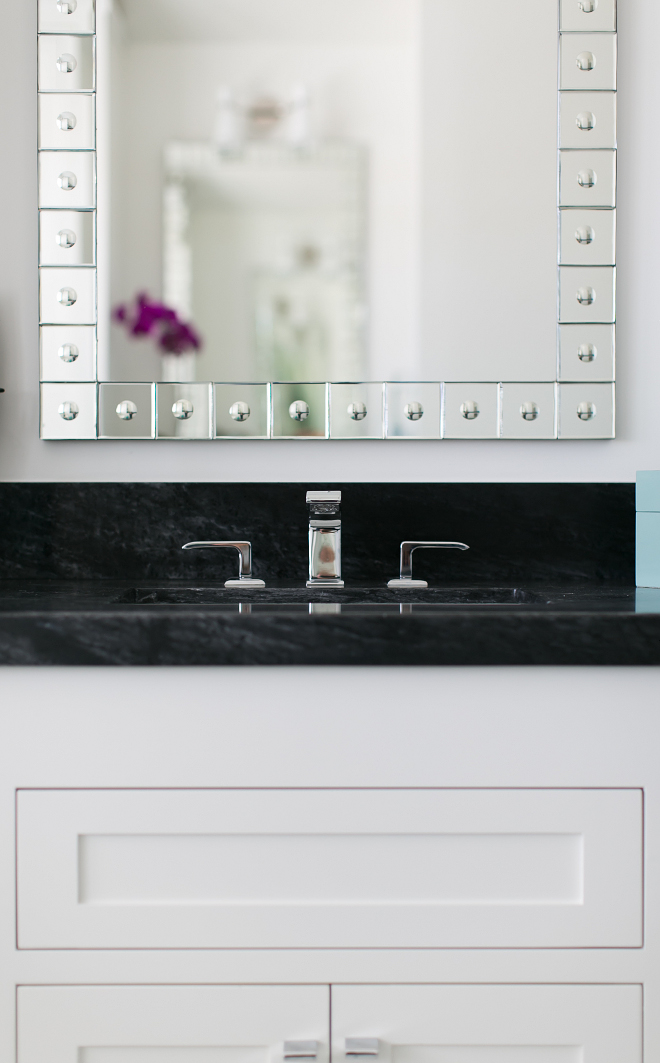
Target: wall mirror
x,y
327,219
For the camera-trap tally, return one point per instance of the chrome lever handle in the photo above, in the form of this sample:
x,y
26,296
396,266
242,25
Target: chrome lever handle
x,y
245,577
361,1046
301,1049
405,561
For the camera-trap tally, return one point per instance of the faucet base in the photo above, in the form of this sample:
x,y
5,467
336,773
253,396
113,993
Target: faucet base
x,y
404,582
320,582
244,581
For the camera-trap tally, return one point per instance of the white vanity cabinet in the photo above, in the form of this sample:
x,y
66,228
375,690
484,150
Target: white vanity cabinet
x,y
203,867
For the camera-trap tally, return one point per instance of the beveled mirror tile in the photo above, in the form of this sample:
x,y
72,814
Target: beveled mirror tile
x,y
241,411
528,411
412,410
68,352
587,237
67,17
586,352
183,411
66,64
67,179
589,16
587,61
67,238
471,411
66,121
587,120
67,296
299,411
356,411
586,411
586,293
68,411
587,178
126,411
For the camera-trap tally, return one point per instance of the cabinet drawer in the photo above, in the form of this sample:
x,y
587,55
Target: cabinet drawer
x,y
329,868
180,1024
491,1023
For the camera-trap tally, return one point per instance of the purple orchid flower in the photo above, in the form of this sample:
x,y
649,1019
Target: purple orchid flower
x,y
148,318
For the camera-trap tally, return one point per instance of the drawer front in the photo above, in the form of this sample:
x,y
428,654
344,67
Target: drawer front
x,y
182,1024
329,868
491,1023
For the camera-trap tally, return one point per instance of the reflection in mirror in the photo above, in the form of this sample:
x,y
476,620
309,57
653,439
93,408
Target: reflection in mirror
x,y
263,163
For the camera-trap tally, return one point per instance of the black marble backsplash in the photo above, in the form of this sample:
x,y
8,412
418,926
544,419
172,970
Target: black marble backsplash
x,y
131,531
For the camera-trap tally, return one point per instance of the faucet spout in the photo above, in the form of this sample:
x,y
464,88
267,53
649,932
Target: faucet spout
x,y
324,539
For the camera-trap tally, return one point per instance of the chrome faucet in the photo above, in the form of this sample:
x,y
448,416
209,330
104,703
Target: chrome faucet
x,y
405,562
244,550
324,539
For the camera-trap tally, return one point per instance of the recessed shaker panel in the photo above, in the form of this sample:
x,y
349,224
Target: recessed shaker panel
x,y
175,1023
491,1023
329,869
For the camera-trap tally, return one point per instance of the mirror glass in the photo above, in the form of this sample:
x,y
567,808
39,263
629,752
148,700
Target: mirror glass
x,y
327,190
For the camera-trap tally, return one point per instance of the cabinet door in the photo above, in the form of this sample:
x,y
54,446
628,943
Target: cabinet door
x,y
172,1024
329,868
487,1023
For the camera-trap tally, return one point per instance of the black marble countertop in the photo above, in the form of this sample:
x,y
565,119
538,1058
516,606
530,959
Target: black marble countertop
x,y
174,622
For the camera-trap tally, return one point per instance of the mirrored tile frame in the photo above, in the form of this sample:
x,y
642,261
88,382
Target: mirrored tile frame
x,y
577,404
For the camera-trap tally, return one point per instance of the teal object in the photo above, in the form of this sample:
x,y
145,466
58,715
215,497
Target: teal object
x,y
647,496
647,558
647,554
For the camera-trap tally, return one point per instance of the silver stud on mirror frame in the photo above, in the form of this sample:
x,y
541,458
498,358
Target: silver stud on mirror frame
x,y
67,181
239,411
68,411
586,120
585,235
586,410
68,352
587,352
357,411
585,296
587,6
183,409
66,121
414,411
67,296
67,7
66,63
586,61
587,178
65,238
529,411
298,410
470,410
126,410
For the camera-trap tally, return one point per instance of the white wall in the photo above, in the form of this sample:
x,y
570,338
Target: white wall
x,y
24,457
